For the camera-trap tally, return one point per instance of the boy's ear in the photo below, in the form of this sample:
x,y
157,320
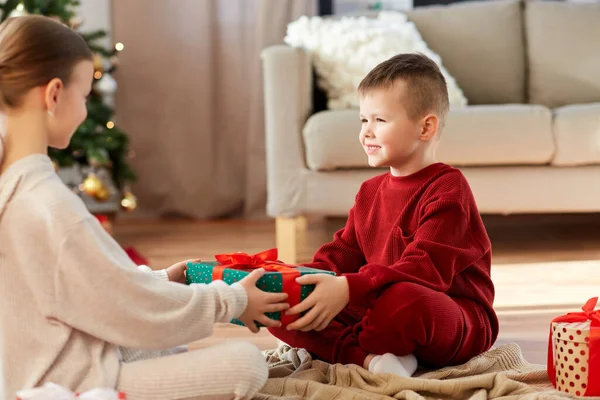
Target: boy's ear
x,y
429,127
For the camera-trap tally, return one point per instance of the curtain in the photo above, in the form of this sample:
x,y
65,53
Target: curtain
x,y
190,98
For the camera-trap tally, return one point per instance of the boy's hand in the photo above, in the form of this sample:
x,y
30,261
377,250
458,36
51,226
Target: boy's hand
x,y
176,272
330,297
260,302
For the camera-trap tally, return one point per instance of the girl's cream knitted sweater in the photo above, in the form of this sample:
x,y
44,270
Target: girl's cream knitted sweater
x,y
70,295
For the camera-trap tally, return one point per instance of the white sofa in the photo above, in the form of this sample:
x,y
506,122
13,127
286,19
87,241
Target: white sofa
x,y
529,141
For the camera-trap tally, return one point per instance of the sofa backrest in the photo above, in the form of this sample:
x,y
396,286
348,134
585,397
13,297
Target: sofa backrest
x,y
481,44
514,51
563,51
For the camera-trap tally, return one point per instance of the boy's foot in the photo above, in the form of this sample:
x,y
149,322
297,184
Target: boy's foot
x,y
391,364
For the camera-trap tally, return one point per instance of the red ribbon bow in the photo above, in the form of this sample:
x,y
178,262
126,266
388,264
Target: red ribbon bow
x,y
267,260
248,260
588,314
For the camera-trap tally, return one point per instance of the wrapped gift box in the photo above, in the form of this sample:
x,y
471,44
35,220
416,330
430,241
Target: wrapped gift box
x,y
278,277
574,351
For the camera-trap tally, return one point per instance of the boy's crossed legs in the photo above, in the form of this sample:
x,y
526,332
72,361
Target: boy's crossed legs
x,y
405,319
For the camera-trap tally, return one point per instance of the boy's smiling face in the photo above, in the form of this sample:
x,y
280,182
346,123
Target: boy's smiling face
x,y
388,135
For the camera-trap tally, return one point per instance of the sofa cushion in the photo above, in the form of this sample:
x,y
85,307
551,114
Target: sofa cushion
x,y
481,44
516,134
564,52
512,134
577,134
331,140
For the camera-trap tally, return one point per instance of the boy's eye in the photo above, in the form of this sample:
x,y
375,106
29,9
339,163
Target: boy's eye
x,y
380,120
363,120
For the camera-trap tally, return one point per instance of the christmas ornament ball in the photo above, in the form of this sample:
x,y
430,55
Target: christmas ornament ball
x,y
103,194
92,185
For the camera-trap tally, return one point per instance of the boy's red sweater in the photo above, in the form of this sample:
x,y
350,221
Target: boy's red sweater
x,y
423,228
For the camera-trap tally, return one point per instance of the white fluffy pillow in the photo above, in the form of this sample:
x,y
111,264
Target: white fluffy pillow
x,y
343,51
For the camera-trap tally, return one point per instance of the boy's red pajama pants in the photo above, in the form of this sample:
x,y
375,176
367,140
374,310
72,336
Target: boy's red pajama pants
x,y
406,318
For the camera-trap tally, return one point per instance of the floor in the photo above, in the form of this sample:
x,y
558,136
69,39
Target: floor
x,y
542,266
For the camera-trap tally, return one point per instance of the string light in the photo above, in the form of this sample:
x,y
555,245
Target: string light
x,y
110,124
119,46
97,74
19,10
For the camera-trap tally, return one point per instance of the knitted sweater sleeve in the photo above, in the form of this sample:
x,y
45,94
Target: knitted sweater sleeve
x,y
99,290
343,253
160,273
443,246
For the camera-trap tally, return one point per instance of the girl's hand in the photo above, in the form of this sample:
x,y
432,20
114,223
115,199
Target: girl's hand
x,y
260,302
176,272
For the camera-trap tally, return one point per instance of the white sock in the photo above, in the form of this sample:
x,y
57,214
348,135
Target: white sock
x,y
391,364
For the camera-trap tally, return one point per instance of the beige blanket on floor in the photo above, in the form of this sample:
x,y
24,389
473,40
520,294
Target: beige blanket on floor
x,y
501,373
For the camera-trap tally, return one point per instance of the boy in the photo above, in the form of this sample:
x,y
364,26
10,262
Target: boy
x,y
413,261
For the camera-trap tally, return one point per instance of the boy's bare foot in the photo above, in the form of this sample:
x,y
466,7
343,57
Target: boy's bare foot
x,y
368,361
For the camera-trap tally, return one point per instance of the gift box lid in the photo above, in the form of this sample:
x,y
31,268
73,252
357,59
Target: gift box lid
x,y
577,332
210,264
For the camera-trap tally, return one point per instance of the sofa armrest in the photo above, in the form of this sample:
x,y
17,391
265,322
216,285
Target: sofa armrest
x,y
287,79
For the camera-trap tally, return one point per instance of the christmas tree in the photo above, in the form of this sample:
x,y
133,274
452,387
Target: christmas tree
x,y
95,165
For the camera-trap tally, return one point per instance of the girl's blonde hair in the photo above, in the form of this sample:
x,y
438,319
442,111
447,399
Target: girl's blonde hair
x,y
33,51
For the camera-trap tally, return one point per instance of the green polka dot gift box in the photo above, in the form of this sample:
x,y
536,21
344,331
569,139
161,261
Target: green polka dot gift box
x,y
278,277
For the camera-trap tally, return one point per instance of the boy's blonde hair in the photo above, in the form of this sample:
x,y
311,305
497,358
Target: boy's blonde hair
x,y
427,91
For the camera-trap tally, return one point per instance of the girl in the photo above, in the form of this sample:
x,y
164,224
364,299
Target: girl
x,y
70,295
